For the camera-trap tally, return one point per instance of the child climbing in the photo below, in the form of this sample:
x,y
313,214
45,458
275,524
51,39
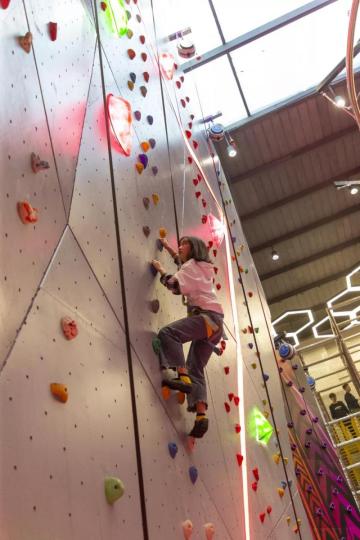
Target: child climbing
x,y
203,327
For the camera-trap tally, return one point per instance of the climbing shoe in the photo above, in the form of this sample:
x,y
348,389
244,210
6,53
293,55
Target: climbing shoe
x,y
182,383
200,427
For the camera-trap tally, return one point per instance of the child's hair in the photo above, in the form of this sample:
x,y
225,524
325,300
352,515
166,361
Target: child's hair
x,y
199,251
332,396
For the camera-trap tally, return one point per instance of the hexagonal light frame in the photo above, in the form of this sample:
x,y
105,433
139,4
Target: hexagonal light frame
x,y
294,312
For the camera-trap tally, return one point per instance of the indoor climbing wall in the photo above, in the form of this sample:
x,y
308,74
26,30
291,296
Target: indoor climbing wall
x,y
103,146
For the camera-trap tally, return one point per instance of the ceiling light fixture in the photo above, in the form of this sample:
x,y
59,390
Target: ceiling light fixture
x,y
354,190
274,255
339,102
231,147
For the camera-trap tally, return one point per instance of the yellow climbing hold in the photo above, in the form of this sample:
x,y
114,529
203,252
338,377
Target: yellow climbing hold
x,y
288,520
162,232
155,198
281,492
254,365
145,146
139,167
276,458
286,460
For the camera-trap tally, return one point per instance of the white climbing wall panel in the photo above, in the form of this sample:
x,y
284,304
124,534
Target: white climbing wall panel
x,y
56,455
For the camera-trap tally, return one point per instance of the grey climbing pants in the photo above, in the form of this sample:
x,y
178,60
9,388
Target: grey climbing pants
x,y
171,354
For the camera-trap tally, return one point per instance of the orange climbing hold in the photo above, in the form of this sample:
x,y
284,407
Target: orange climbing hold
x,y
25,42
139,167
69,328
59,391
131,54
27,213
145,146
281,492
162,232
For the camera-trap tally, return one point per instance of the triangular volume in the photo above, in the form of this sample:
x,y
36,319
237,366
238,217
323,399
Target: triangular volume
x,y
64,80
92,213
71,279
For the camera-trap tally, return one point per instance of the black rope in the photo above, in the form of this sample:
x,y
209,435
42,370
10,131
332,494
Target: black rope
x,y
123,296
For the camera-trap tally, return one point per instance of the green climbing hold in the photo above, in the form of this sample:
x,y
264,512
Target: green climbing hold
x,y
156,344
114,489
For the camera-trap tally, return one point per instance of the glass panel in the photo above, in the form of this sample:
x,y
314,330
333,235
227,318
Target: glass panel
x,y
237,17
293,58
218,91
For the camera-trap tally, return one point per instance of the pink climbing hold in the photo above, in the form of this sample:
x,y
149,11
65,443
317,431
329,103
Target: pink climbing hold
x,y
69,328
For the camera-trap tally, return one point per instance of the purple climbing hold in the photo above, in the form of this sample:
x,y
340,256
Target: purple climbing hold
x,y
155,170
309,488
302,389
152,143
297,471
307,444
339,479
335,491
289,383
150,119
193,473
290,425
332,506
309,431
320,472
266,377
349,509
324,445
293,447
233,239
303,412
137,115
143,159
146,202
318,512
173,449
295,366
315,419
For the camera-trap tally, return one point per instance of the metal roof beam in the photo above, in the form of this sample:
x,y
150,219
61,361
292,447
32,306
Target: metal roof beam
x,y
299,195
311,258
306,228
309,286
257,33
294,154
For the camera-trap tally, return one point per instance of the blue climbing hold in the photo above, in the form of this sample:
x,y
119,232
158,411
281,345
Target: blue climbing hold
x,y
150,119
193,473
152,143
173,449
266,377
159,244
283,484
133,77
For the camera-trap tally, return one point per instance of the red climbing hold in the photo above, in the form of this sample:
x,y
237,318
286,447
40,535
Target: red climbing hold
x,y
4,3
131,54
183,102
188,134
146,76
227,407
143,56
53,30
204,219
227,370
142,39
178,84
69,328
210,245
190,159
215,268
218,286
195,181
255,472
230,396
197,194
103,6
204,203
239,458
223,344
254,486
262,517
27,213
214,252
269,509
195,144
237,428
236,400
